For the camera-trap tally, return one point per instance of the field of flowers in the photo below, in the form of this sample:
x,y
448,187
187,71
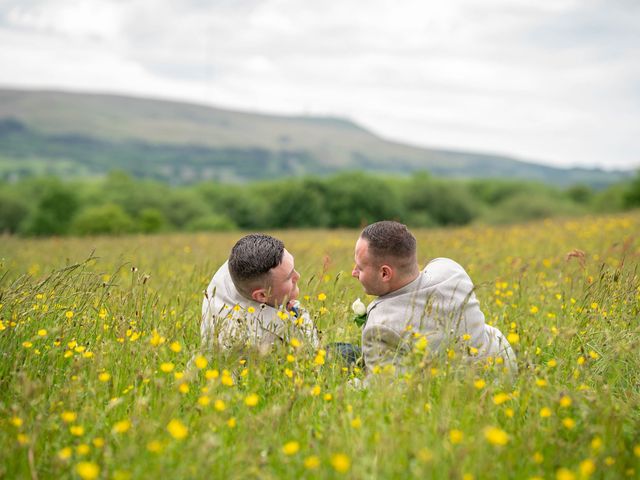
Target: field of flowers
x,y
102,375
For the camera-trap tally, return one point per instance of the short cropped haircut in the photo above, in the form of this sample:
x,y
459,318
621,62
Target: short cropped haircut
x,y
252,258
390,239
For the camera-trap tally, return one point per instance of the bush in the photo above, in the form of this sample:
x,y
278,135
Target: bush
x,y
525,206
13,211
434,201
54,211
211,223
355,200
109,219
151,220
297,204
631,197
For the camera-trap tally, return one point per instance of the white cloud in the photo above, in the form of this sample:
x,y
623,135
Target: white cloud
x,y
550,81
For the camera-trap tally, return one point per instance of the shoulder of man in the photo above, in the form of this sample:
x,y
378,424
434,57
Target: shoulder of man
x,y
387,313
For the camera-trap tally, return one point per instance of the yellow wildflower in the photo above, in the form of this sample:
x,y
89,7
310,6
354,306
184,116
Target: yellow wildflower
x,y
340,462
200,362
513,338
312,462
154,446
565,474
65,453
177,429
496,436
587,467
121,426
251,400
87,470
565,401
166,367
456,436
291,448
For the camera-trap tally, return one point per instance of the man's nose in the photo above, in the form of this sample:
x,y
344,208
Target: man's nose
x,y
355,273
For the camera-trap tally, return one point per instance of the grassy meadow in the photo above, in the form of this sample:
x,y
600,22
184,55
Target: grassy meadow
x,y
102,375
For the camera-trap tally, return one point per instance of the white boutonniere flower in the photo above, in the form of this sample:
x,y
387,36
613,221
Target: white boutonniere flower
x,y
360,312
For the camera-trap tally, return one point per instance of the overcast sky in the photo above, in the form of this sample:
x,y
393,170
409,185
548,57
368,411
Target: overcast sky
x,y
552,81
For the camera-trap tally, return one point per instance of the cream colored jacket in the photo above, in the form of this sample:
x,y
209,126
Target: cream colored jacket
x,y
230,319
439,304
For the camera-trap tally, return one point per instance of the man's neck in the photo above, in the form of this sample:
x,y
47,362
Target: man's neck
x,y
403,281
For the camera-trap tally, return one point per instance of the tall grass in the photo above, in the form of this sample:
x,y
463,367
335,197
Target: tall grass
x,y
102,375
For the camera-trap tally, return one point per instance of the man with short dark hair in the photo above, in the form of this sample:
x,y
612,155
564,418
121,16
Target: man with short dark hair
x,y
252,297
432,309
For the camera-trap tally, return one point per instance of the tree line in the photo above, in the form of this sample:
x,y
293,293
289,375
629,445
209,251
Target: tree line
x,y
119,204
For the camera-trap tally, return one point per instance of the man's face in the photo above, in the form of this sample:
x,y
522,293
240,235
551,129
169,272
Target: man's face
x,y
283,282
367,271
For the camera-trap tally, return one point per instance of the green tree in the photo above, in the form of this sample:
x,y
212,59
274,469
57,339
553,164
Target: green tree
x,y
631,197
247,205
298,204
211,223
13,211
356,199
443,202
54,210
151,220
108,219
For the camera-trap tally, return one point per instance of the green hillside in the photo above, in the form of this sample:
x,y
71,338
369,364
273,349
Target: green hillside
x,y
72,134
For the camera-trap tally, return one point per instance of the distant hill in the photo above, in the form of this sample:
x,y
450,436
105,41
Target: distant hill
x,y
75,134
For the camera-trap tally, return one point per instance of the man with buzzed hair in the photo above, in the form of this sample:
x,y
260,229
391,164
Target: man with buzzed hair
x,y
433,309
252,297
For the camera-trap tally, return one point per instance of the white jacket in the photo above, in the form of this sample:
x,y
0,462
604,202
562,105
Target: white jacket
x,y
229,319
440,305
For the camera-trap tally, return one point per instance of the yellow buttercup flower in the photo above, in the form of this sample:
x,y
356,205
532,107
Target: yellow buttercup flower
x,y
565,401
456,436
200,362
154,446
312,462
121,426
496,436
251,400
291,448
166,367
65,453
513,338
87,470
177,429
340,462
565,474
587,467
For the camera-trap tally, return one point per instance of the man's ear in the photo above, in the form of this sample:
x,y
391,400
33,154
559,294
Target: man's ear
x,y
387,273
260,295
